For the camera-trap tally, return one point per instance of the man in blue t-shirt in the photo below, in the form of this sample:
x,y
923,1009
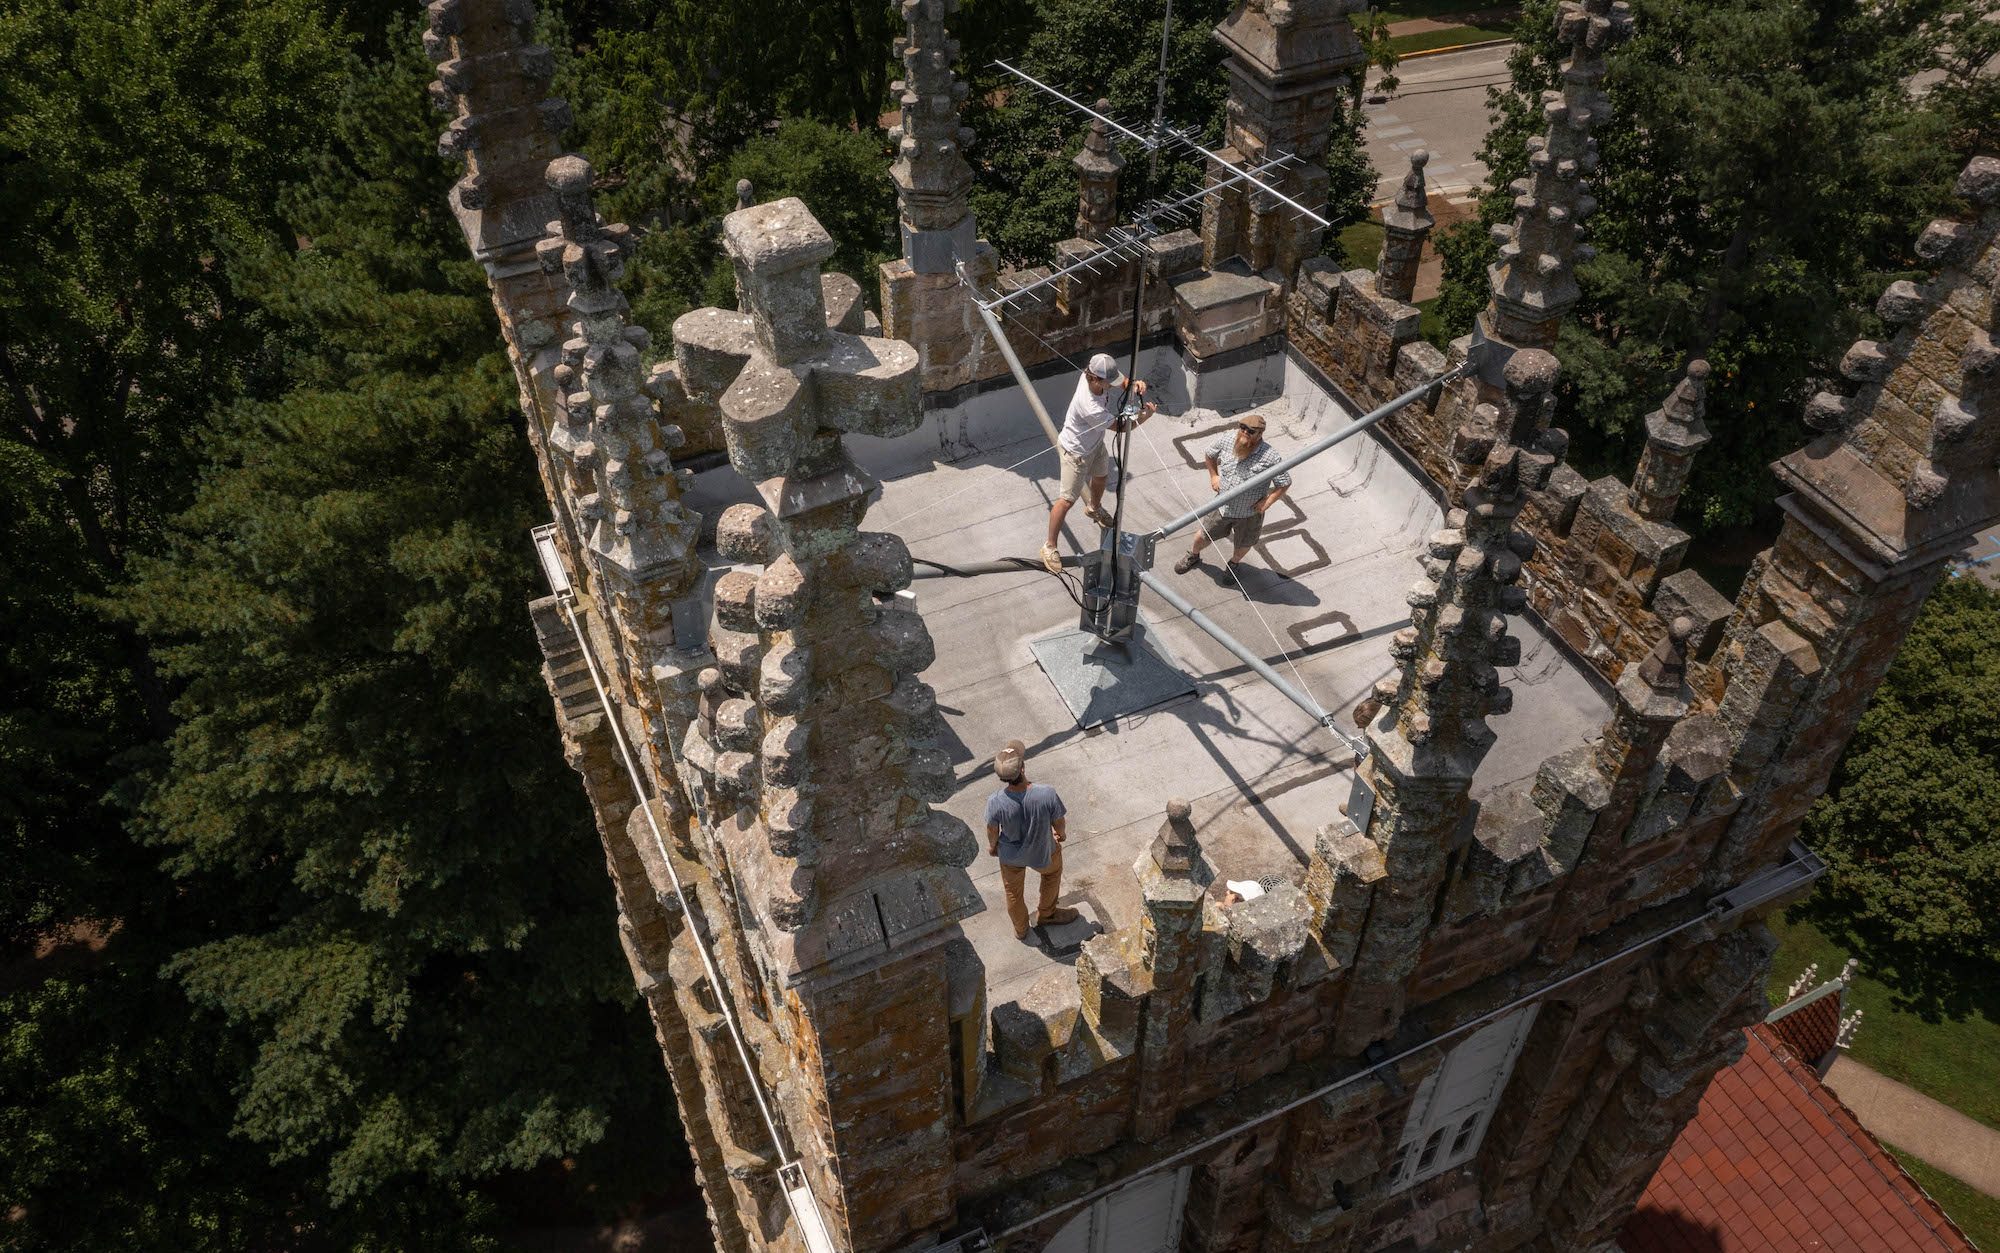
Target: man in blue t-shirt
x,y
1024,829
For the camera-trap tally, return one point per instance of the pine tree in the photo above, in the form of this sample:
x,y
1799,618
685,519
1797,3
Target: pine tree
x,y
422,945
140,139
1763,173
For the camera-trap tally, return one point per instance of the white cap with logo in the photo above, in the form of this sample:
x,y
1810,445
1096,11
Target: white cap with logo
x,y
1104,366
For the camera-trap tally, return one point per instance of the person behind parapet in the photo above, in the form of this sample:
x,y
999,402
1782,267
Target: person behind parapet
x,y
1232,462
1085,459
1025,829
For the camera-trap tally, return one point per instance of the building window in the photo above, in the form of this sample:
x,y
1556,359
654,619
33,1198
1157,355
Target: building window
x,y
1452,1108
1144,1216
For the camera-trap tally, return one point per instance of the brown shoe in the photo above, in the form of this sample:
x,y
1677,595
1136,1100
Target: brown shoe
x,y
1057,916
1187,563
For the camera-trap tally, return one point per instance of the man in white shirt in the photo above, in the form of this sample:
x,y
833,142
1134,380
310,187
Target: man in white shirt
x,y
1085,459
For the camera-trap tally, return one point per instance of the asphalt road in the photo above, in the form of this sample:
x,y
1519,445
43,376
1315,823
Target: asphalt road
x,y
1440,106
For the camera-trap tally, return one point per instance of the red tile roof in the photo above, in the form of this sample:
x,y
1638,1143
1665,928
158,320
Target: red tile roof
x,y
1810,1030
1774,1163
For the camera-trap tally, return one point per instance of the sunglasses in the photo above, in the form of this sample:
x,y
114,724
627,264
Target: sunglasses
x,y
1245,426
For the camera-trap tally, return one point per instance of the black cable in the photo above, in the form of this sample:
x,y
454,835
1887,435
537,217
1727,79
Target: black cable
x,y
1070,584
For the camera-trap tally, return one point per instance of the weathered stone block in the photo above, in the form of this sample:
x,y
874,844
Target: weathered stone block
x,y
1687,594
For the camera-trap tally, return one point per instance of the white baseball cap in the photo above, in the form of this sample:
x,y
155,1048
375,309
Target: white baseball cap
x,y
1104,366
1248,889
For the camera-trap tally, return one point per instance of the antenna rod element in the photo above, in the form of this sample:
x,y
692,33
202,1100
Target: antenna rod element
x,y
1160,98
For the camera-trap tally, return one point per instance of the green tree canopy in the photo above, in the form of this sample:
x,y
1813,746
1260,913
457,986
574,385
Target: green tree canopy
x,y
422,942
139,139
1763,174
1910,829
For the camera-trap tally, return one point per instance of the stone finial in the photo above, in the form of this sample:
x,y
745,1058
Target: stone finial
x,y
1533,283
640,530
1406,226
746,195
1675,432
494,83
1172,872
1097,168
814,731
1448,682
930,171
1175,850
1665,668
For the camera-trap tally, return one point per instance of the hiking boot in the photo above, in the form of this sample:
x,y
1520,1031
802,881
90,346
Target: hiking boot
x,y
1051,559
1187,563
1057,916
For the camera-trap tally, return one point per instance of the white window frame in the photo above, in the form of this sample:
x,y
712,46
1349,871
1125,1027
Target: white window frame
x,y
1455,1104
1106,1227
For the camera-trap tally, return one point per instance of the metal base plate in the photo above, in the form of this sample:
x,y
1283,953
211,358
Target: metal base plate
x,y
1100,681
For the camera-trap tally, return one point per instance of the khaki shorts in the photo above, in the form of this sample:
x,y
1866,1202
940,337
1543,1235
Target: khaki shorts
x,y
1241,532
1076,473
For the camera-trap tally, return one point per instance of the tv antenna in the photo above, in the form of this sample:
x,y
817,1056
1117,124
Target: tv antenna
x,y
1121,565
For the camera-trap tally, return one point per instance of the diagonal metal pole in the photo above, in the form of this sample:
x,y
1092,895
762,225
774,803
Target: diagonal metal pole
x,y
1258,481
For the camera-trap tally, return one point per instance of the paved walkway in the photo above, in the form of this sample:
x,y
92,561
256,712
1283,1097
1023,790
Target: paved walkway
x,y
1962,1147
1440,107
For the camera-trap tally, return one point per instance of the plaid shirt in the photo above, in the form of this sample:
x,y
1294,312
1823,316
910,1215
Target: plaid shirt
x,y
1235,472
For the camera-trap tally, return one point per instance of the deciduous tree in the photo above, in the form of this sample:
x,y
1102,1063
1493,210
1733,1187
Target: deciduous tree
x,y
1763,173
1910,828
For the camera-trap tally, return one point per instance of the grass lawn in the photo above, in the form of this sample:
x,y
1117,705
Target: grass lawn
x,y
1361,244
1949,1054
1450,37
1430,328
1976,1214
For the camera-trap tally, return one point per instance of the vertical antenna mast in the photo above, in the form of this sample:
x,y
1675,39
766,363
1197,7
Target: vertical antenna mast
x,y
1159,104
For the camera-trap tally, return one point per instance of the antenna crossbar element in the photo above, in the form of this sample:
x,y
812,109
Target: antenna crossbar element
x,y
1148,142
1123,242
1187,140
1162,135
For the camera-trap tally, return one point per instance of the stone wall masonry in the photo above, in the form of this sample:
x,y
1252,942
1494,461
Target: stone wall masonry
x,y
1708,992
1079,315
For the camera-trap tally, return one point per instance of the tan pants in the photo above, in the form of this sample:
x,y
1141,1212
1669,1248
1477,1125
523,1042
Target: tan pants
x,y
1014,879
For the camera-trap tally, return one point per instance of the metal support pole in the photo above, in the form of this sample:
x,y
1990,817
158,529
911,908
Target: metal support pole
x,y
1243,654
1013,362
1160,100
1257,482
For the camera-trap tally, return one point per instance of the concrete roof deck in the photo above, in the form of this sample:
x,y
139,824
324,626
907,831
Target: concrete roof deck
x,y
1326,586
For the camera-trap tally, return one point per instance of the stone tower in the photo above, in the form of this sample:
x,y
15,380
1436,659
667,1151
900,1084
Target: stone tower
x,y
1467,1020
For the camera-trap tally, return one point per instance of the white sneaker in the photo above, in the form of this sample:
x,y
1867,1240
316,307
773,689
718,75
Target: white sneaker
x,y
1051,559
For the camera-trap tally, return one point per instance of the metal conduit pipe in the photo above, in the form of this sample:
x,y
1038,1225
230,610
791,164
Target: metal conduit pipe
x,y
1257,482
1013,362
